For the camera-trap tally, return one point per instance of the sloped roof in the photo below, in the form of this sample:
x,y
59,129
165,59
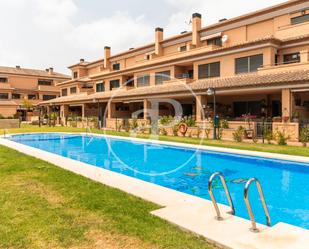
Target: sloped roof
x,y
32,72
233,82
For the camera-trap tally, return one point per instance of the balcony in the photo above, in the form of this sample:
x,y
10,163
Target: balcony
x,y
283,67
5,86
179,80
43,88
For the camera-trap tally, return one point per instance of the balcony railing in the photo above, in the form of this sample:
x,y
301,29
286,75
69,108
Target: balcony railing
x,y
5,86
291,65
47,88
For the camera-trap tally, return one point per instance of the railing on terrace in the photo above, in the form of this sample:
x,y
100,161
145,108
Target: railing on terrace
x,y
262,128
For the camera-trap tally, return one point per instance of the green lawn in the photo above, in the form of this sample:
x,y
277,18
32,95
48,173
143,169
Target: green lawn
x,y
289,150
43,206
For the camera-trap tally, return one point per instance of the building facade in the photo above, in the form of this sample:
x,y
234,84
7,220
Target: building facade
x,y
257,63
22,89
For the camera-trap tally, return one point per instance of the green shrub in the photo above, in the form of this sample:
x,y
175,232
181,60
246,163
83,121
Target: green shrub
x,y
133,124
304,135
268,135
254,138
239,134
189,121
224,124
281,138
163,132
207,132
165,120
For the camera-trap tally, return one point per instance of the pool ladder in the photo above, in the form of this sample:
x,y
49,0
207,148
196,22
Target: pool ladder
x,y
5,133
246,197
227,192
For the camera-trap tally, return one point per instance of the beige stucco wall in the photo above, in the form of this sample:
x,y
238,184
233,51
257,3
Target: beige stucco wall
x,y
7,111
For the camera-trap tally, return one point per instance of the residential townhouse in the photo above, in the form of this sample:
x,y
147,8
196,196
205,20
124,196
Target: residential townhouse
x,y
257,63
22,89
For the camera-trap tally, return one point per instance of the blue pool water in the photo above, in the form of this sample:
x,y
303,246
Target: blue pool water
x,y
285,183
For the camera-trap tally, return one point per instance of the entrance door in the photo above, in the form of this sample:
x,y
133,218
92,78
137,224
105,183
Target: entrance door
x,y
276,108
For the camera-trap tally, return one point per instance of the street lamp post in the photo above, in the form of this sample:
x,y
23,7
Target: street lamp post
x,y
212,91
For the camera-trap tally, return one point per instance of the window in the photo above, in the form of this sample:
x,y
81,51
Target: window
x,y
3,80
64,92
15,96
300,19
114,84
45,82
4,96
248,64
182,48
75,75
209,70
130,81
31,96
162,76
116,66
247,108
73,90
122,107
215,41
48,97
291,58
100,87
143,80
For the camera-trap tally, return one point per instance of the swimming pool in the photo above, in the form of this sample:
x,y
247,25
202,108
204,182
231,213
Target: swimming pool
x,y
285,183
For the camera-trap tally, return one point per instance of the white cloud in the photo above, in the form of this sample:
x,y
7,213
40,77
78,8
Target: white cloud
x,y
120,31
44,34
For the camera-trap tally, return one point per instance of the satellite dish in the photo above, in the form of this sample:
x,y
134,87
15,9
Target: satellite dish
x,y
224,38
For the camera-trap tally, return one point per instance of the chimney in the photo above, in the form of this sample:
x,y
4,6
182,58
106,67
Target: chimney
x,y
158,40
81,60
196,27
51,70
47,70
17,67
107,55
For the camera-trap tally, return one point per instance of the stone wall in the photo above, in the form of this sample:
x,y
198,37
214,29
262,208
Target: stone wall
x,y
9,123
290,129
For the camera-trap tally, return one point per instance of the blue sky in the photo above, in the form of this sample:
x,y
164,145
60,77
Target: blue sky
x,y
57,33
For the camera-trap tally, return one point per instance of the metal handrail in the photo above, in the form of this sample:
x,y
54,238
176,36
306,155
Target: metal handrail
x,y
5,133
246,191
227,192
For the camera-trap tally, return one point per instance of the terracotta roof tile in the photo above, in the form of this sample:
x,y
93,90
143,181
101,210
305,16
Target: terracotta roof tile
x,y
32,72
238,81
